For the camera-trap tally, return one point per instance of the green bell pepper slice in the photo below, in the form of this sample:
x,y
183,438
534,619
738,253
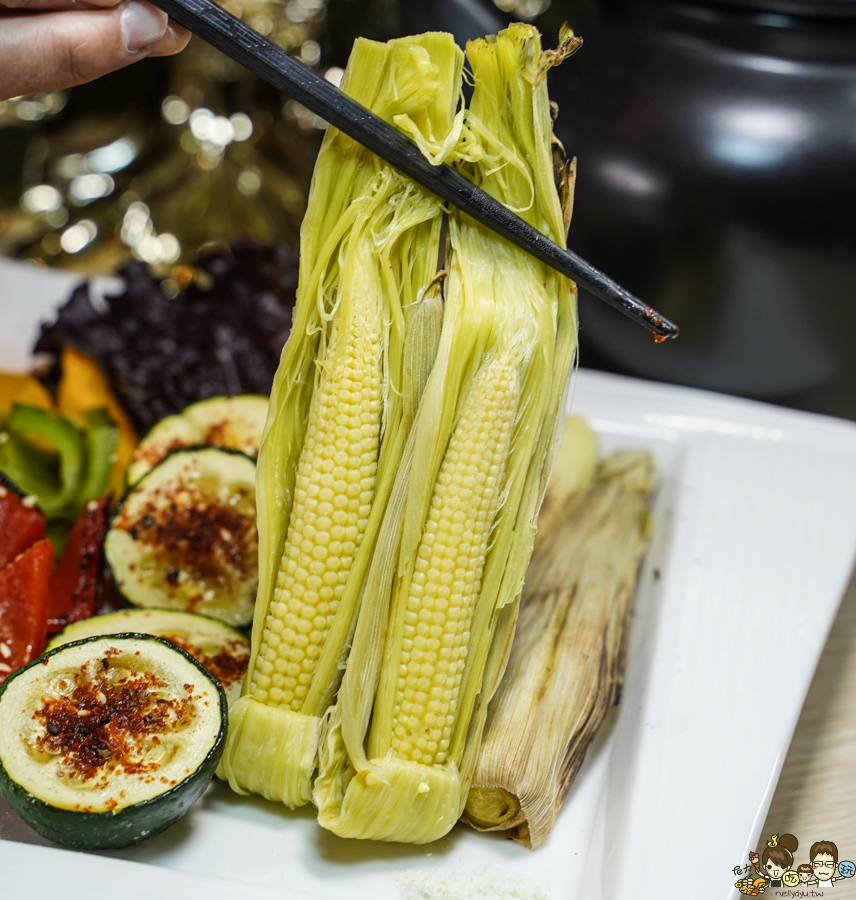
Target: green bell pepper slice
x,y
43,454
101,439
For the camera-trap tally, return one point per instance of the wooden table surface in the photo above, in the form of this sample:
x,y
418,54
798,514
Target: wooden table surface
x,y
816,795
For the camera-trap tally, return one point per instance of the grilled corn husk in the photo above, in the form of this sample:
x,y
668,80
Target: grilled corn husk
x,y
567,662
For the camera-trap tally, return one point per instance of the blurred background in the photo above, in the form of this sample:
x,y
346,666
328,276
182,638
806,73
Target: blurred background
x,y
716,144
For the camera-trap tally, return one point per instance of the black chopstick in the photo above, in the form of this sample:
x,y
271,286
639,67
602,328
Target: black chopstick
x,y
236,39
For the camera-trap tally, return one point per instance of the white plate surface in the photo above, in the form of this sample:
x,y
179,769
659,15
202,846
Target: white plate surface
x,y
755,535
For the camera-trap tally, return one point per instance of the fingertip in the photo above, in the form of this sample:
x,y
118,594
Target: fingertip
x,y
143,25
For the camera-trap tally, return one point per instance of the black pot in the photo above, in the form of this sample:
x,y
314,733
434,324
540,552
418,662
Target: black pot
x,y
717,181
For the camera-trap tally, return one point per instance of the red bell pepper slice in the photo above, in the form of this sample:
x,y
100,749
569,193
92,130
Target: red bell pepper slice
x,y
25,597
77,579
21,524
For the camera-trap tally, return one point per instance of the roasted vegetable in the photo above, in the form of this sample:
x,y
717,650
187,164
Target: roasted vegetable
x,y
224,651
100,439
21,523
107,741
49,458
43,455
233,422
184,537
24,603
26,389
84,395
567,661
77,579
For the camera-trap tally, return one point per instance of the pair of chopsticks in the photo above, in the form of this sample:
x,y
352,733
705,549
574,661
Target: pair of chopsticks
x,y
233,37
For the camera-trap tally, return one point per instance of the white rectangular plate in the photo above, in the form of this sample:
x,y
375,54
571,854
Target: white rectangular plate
x,y
755,530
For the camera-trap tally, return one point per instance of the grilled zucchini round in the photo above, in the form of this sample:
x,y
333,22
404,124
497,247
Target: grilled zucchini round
x,y
185,536
233,422
107,741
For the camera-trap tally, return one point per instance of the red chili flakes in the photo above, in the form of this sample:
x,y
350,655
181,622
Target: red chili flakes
x,y
96,737
227,667
194,536
200,530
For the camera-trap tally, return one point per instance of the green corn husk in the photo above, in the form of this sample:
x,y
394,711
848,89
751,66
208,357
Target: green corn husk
x,y
508,317
369,248
567,663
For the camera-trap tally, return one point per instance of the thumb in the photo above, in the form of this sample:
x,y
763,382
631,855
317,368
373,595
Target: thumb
x,y
49,50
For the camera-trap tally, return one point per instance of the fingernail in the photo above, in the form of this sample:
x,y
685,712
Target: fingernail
x,y
142,25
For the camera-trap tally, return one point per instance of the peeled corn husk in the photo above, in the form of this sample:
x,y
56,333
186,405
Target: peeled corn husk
x,y
368,254
567,661
510,319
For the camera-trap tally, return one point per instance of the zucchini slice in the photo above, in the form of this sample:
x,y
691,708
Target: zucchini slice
x,y
107,741
224,651
233,422
185,536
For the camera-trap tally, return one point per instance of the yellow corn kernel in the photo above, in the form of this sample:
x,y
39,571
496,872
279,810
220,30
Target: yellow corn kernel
x,y
332,500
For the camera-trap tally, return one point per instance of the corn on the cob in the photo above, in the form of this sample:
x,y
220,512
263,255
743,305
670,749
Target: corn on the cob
x,y
566,665
431,648
338,422
441,593
332,500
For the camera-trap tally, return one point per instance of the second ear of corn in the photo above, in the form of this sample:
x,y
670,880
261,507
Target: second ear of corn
x,y
405,460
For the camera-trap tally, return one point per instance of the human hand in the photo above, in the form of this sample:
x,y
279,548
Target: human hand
x,y
51,44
